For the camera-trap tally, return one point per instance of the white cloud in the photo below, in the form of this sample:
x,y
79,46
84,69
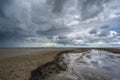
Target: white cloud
x,y
112,34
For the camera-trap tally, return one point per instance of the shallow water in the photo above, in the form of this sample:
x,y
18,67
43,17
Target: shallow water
x,y
92,65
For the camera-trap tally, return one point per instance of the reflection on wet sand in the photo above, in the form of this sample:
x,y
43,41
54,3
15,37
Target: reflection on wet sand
x,y
90,65
95,64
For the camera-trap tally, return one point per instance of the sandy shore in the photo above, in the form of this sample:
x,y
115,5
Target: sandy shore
x,y
17,64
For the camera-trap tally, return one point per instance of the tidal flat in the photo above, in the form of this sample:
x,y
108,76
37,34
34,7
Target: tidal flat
x,y
60,64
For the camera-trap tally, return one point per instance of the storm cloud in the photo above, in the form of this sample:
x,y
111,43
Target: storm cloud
x,y
59,22
3,3
91,8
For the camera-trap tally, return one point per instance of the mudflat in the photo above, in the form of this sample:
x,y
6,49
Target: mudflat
x,y
18,63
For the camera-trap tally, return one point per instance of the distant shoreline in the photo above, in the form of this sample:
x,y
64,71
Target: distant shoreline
x,y
55,47
11,52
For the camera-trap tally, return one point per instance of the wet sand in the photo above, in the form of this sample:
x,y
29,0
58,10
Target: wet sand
x,y
17,64
12,52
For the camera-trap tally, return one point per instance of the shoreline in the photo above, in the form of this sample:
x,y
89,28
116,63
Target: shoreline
x,y
14,52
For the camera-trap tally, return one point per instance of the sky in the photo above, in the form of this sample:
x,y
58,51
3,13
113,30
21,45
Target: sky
x,y
59,23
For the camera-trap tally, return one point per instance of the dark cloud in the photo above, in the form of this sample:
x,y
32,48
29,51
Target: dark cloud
x,y
93,31
105,27
64,41
3,3
101,31
57,5
62,37
98,32
27,19
13,33
90,8
53,31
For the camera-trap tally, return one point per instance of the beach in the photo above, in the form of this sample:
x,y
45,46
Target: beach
x,y
17,64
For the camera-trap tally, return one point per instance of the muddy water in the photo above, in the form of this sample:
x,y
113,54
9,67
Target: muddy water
x,y
93,65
